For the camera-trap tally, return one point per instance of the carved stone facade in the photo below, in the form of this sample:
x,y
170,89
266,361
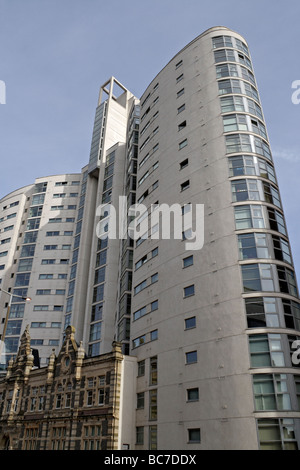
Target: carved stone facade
x,y
72,404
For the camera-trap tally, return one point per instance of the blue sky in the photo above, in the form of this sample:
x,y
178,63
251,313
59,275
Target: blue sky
x,y
55,54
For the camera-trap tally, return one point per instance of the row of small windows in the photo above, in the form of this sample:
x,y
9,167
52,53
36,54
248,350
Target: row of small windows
x,y
48,308
242,122
254,190
266,350
256,216
65,183
13,204
61,195
145,310
272,312
251,166
244,143
14,329
146,283
148,124
57,247
229,55
273,350
193,436
230,41
145,338
240,104
147,173
62,207
41,342
148,191
9,216
56,233
8,228
268,277
262,245
50,292
146,258
237,87
235,70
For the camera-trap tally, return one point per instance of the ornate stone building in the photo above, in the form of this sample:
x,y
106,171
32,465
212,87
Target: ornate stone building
x,y
72,404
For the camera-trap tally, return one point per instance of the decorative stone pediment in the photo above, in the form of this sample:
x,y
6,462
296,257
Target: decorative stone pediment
x,y
23,362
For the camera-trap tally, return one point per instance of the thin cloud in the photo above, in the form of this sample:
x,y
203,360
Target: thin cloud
x,y
287,154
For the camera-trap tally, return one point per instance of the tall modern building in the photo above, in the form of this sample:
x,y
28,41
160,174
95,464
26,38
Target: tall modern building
x,y
214,330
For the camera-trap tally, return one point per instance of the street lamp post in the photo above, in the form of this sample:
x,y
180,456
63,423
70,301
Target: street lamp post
x,y
11,295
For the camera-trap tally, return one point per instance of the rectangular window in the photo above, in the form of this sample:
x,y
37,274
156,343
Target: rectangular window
x,y
22,279
46,276
52,234
140,287
193,394
188,261
257,277
180,92
153,405
153,437
43,292
60,292
101,396
262,311
181,126
139,313
191,357
140,263
194,436
253,245
140,400
154,335
182,144
30,237
266,350
189,290
185,185
153,371
37,324
140,435
33,224
141,368
27,250
249,217
190,323
277,434
40,308
48,261
139,341
38,199
270,392
184,164
180,109
25,264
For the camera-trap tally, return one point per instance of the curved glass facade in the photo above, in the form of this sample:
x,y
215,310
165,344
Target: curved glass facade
x,y
270,290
